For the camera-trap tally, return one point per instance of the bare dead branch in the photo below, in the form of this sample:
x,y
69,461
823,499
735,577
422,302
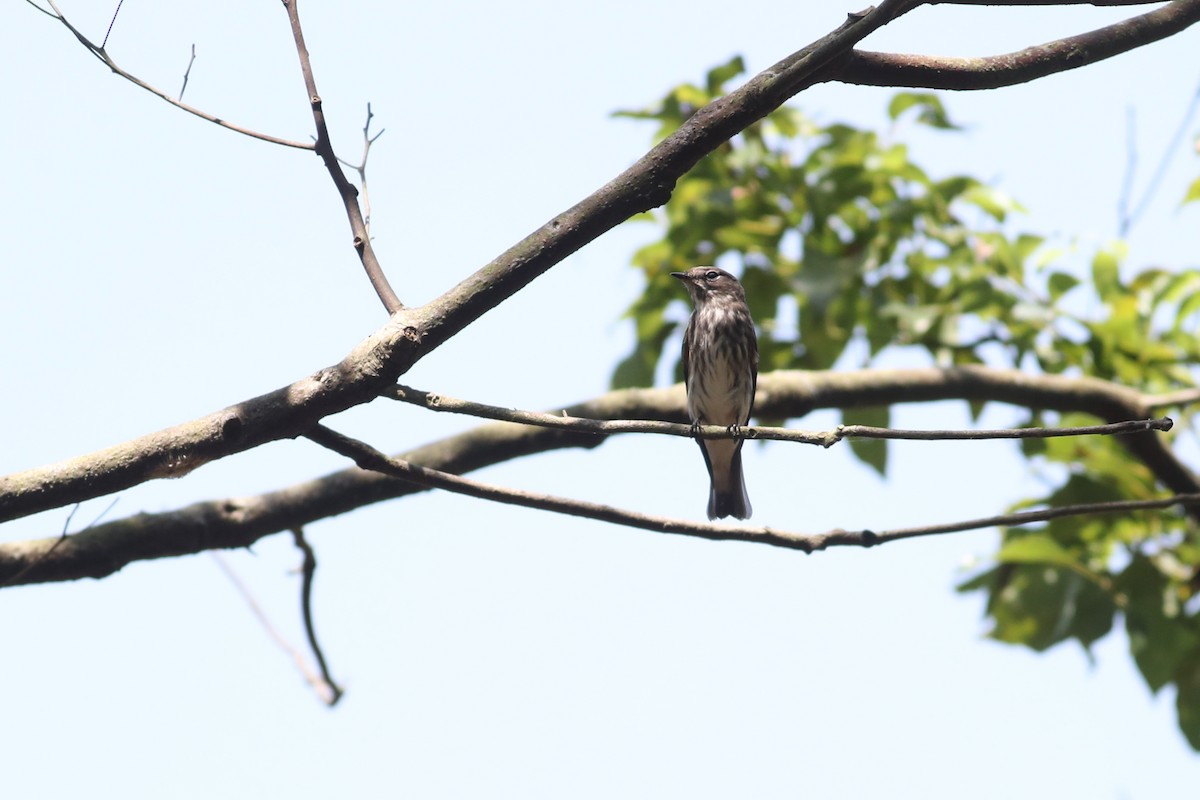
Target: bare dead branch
x,y
320,686
308,569
241,521
349,195
992,72
99,52
441,402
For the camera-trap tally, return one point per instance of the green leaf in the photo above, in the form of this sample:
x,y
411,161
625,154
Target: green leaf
x,y
931,113
718,76
1161,636
872,452
1060,283
996,203
1193,193
1035,549
1106,274
1187,701
1041,605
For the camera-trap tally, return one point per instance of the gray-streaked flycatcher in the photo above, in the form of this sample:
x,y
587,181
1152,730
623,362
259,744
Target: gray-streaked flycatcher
x,y
720,368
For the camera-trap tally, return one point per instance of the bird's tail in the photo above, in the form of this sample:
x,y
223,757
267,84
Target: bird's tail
x,y
727,496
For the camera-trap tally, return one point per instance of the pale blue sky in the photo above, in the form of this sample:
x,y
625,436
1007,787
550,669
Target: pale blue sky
x,y
159,268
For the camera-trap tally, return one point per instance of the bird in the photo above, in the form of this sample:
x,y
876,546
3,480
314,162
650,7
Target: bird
x,y
720,371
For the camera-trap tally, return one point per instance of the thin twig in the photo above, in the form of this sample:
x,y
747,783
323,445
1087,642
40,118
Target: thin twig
x,y
1110,429
333,692
349,195
99,52
187,73
1168,154
62,537
1028,517
439,402
368,458
361,166
1124,217
39,8
311,678
112,22
34,563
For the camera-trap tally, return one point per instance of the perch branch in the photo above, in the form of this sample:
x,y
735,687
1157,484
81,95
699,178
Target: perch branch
x,y
441,402
240,521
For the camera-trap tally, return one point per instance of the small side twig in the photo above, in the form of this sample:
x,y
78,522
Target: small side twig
x,y
333,692
112,22
439,402
361,166
187,72
45,554
1127,217
322,687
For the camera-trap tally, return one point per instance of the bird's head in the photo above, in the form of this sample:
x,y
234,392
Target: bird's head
x,y
709,283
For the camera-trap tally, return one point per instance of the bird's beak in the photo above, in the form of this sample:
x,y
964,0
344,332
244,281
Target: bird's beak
x,y
683,276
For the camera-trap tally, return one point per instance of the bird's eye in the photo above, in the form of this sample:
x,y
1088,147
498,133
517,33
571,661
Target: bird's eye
x,y
712,275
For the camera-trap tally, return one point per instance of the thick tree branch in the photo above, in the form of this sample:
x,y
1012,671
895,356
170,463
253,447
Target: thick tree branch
x,y
1098,3
991,72
239,522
